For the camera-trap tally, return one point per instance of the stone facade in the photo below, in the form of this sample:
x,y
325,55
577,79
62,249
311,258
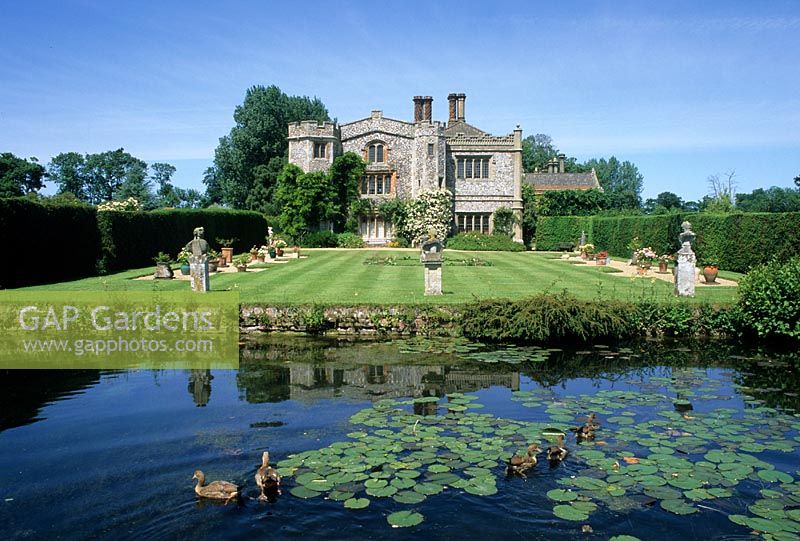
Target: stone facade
x,y
483,171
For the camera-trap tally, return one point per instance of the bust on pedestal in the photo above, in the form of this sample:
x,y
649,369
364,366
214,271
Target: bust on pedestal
x,y
198,261
431,258
685,271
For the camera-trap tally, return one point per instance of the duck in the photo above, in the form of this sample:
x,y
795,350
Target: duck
x,y
586,431
267,477
215,490
557,453
520,464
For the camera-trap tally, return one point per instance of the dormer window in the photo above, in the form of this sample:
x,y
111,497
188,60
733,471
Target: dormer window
x,y
319,150
376,153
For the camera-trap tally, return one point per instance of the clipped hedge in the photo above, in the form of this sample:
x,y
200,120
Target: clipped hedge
x,y
551,231
738,242
46,242
481,242
131,239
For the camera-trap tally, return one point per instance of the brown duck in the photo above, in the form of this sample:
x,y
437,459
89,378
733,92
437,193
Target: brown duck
x,y
586,431
518,465
215,490
557,453
267,477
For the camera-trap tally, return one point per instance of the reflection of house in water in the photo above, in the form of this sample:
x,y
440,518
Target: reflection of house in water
x,y
200,386
373,382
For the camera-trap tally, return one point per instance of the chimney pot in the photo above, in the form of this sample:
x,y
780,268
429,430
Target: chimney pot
x,y
452,100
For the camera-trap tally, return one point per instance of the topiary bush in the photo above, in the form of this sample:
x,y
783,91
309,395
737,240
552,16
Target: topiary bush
x,y
319,239
769,299
479,241
552,231
349,240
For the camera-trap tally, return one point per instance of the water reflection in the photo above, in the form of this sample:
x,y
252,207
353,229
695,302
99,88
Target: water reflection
x,y
200,386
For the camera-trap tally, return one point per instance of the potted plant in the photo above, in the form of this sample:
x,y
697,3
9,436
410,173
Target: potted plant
x,y
241,262
663,262
263,252
634,246
163,269
213,260
601,258
586,250
254,253
645,257
710,266
279,244
183,259
226,246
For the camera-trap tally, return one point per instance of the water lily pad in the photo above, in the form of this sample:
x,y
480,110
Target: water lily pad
x,y
624,538
356,503
303,492
340,496
678,506
561,495
409,497
774,476
568,512
404,519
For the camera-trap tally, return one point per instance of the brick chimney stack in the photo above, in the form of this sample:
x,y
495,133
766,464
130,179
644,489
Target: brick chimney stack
x,y
418,101
452,100
561,158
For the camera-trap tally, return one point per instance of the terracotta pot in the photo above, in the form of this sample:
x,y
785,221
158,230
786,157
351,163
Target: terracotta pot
x,y
253,256
662,266
260,258
279,251
241,268
710,273
641,270
584,255
600,261
227,254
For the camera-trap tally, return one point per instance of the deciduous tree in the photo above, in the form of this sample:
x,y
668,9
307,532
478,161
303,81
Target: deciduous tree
x,y
19,176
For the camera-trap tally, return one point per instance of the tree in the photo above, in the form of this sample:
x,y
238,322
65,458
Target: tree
x,y
571,202
306,201
259,135
773,199
663,203
68,171
107,172
722,192
621,181
19,176
345,173
797,181
265,177
213,195
537,150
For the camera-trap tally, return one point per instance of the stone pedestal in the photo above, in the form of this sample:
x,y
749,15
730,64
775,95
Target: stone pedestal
x,y
685,272
433,277
198,270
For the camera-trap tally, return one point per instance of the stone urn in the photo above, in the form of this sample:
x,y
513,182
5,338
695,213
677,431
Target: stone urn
x,y
710,273
163,271
212,265
185,269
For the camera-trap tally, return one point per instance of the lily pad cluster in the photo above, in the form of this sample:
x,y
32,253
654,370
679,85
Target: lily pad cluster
x,y
648,452
407,458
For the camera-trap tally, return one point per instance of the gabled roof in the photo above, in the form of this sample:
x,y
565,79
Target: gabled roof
x,y
460,127
543,182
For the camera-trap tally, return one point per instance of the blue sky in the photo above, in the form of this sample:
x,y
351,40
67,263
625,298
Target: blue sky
x,y
682,89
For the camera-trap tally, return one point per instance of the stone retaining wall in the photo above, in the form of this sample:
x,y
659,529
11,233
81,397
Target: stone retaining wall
x,y
351,320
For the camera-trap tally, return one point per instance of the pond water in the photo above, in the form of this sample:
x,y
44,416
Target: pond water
x,y
692,443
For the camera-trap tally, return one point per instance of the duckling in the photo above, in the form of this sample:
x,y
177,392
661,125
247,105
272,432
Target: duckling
x,y
520,464
557,453
216,490
267,477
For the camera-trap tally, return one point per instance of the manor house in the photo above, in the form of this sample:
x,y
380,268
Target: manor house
x,y
483,171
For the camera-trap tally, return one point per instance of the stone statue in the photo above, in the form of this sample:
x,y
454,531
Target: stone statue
x,y
583,238
431,257
198,246
198,261
685,271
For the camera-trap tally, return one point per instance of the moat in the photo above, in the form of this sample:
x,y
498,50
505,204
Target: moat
x,y
695,442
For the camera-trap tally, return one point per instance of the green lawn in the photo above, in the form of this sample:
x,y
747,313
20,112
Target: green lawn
x,y
341,277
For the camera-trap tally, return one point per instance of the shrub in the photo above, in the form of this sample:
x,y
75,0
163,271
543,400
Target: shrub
x,y
552,231
546,318
769,299
504,221
319,239
399,242
479,241
349,240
